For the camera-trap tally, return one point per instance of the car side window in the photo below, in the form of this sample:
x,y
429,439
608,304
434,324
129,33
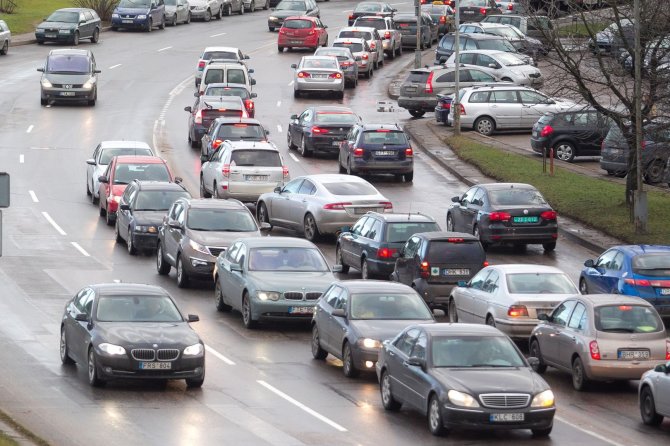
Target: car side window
x,y
411,247
578,318
606,259
477,282
491,283
341,303
469,196
241,254
332,295
128,193
84,301
531,97
307,188
480,76
419,349
88,15
293,186
406,341
358,226
449,77
479,97
376,230
181,215
365,231
306,116
478,198
468,58
617,261
562,312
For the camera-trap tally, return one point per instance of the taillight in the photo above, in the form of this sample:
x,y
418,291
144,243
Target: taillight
x,y
548,215
546,131
499,216
510,6
311,32
388,206
429,83
216,143
409,152
455,240
387,35
201,65
482,11
373,46
595,351
443,19
226,170
643,144
386,253
517,311
358,152
667,350
319,130
282,30
446,105
303,74
486,263
365,56
249,104
335,206
424,270
637,282
284,171
335,76
462,110
345,64
198,117
351,16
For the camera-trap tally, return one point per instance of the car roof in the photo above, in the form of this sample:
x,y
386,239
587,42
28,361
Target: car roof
x,y
600,300
331,109
208,203
226,84
643,249
334,178
300,17
229,49
404,16
318,58
70,51
215,64
512,268
358,28
481,36
459,329
501,186
258,145
443,235
373,286
126,289
489,52
381,127
115,144
376,17
349,39
278,242
136,159
159,185
239,120
74,9
403,218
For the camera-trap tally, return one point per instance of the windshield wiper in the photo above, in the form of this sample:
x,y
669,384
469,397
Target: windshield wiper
x,y
491,365
157,210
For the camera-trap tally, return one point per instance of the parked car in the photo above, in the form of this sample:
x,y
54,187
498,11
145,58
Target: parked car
x,y
457,372
233,129
320,129
226,71
206,109
69,75
271,278
217,53
600,337
634,270
302,32
476,10
613,38
435,262
371,8
69,25
445,47
243,170
508,67
5,37
318,73
371,245
510,297
377,149
362,54
576,132
235,90
442,16
195,231
524,7
653,394
442,108
206,9
177,11
255,5
141,210
391,36
371,36
406,23
320,204
347,61
139,14
292,8
115,335
238,6
536,26
504,213
353,317
522,43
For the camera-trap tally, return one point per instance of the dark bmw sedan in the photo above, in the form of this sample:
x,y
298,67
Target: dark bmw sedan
x,y
464,376
320,129
122,330
514,213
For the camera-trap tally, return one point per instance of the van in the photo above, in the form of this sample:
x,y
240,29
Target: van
x,y
218,71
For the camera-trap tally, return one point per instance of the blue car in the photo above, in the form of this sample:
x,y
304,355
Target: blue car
x,y
634,270
139,14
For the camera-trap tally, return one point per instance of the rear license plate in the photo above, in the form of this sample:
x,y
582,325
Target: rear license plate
x,y
67,93
506,417
467,12
361,210
256,177
155,365
320,76
126,21
633,354
336,143
665,291
296,42
456,272
525,219
300,310
384,152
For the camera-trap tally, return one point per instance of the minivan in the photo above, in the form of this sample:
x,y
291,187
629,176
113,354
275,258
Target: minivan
x,y
69,75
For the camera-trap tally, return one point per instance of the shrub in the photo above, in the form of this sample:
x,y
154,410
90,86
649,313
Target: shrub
x,y
104,8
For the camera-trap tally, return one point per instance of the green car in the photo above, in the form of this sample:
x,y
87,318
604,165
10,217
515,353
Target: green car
x,y
69,25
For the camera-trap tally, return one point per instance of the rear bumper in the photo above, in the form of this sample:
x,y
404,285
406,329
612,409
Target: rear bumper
x,y
516,329
361,165
380,267
613,166
423,104
330,144
615,369
297,42
325,85
520,234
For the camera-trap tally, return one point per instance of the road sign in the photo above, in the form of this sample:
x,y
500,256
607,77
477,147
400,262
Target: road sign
x,y
4,190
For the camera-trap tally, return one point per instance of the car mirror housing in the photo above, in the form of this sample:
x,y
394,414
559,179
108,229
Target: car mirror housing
x,y
103,179
174,224
543,317
253,81
534,362
590,263
463,283
124,207
294,117
193,318
188,109
417,362
236,267
90,162
337,268
253,95
493,65
246,57
339,312
294,66
345,229
265,226
41,70
178,180
81,317
456,199
250,71
277,190
97,71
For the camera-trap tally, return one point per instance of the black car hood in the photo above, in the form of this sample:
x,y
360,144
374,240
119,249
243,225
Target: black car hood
x,y
150,218
475,381
382,330
57,25
131,334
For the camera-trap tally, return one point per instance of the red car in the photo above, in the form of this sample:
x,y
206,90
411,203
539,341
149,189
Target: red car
x,y
302,32
121,171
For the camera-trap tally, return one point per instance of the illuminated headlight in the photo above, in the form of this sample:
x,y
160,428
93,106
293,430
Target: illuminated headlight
x,y
272,19
150,229
89,84
112,349
194,350
115,15
198,247
370,343
268,295
46,83
64,31
461,399
142,16
543,399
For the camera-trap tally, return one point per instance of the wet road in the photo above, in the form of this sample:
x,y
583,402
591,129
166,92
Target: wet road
x,y
262,387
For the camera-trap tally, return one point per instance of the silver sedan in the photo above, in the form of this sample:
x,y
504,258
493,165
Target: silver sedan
x,y
318,73
320,204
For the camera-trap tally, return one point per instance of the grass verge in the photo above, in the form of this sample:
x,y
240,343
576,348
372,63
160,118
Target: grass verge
x,y
7,441
25,433
579,29
29,13
597,203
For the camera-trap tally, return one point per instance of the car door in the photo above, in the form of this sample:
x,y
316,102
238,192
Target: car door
x,y
362,241
225,275
123,216
81,330
211,169
474,208
466,297
551,332
484,301
303,126
572,334
505,107
90,168
326,321
238,279
599,278
348,240
340,325
398,354
534,105
173,235
85,24
464,214
590,125
418,382
279,208
662,393
299,202
404,264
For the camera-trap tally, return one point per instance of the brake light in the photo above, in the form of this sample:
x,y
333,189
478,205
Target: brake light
x,y
510,6
424,270
351,16
482,11
249,104
358,152
446,105
667,350
201,65
387,35
443,19
429,83
335,206
409,152
345,64
546,131
595,351
282,30
499,216
216,144
303,74
486,263
284,171
239,125
386,253
643,144
548,215
365,56
311,32
319,130
388,206
455,240
226,170
373,46
517,311
198,117
335,76
462,110
638,282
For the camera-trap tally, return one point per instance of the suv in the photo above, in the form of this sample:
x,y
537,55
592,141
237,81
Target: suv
x,y
206,109
5,37
371,36
144,14
489,108
539,27
442,15
418,93
434,262
69,75
445,48
377,148
230,72
571,133
476,10
195,231
243,170
406,23
507,66
242,129
371,245
391,37
233,90
218,53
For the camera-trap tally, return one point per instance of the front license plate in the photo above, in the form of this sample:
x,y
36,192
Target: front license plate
x,y
67,93
126,21
336,143
506,417
525,220
455,272
300,310
256,177
384,152
50,36
633,354
665,291
155,365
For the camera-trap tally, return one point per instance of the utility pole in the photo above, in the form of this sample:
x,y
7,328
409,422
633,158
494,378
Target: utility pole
x,y
640,211
457,51
417,51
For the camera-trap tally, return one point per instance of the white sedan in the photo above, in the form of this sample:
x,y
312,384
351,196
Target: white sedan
x,y
510,297
318,73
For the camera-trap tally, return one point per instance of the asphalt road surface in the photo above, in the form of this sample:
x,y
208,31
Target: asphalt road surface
x,y
262,387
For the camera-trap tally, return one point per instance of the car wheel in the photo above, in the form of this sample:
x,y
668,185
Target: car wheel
x,y
271,29
182,275
215,188
417,113
583,287
289,140
218,297
174,20
565,151
194,144
435,423
43,101
93,377
188,18
296,94
64,350
389,403
241,11
94,199
203,191
280,49
252,7
339,260
262,214
150,26
162,25
485,126
317,351
96,36
648,408
490,321
229,10
548,247
5,48
349,170
75,39
162,266
339,94
304,151
392,54
110,218
309,228
348,367
267,5
195,383
541,367
219,15
129,243
452,311
579,379
409,177
655,172
117,234
102,210
246,313
208,16
365,272
545,432
450,223
475,232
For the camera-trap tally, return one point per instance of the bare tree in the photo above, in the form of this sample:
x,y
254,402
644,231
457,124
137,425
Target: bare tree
x,y
104,8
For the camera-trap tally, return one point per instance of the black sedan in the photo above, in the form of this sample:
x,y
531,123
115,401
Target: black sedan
x,y
352,319
464,376
320,129
505,213
122,331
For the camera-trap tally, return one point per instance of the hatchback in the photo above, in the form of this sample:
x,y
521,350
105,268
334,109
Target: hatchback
x,y
371,8
476,10
229,72
302,32
508,67
318,74
139,14
536,26
239,90
361,52
654,394
522,43
371,36
445,47
406,23
347,62
443,17
206,109
391,36
69,25
320,129
69,75
292,8
218,53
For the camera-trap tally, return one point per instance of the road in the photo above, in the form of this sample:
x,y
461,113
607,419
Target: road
x,y
262,387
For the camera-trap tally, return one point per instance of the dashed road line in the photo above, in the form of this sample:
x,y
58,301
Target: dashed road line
x,y
114,66
295,158
53,223
589,432
33,196
163,49
279,129
22,159
80,249
217,35
278,103
30,128
219,355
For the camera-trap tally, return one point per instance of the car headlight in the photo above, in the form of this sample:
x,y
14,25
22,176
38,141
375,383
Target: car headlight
x,y
273,18
112,349
45,83
89,83
144,228
39,30
194,350
461,399
268,295
543,399
142,16
198,247
64,31
115,15
370,343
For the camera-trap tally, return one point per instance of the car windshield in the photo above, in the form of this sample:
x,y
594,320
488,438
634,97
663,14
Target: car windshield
x,y
350,188
401,232
354,47
372,23
291,6
335,117
497,45
255,158
368,7
227,91
134,3
106,155
461,252
287,259
221,220
341,54
516,197
627,319
68,63
224,55
298,24
320,63
540,283
137,309
385,137
475,351
64,17
477,3
355,35
654,265
157,200
252,132
125,173
509,60
385,306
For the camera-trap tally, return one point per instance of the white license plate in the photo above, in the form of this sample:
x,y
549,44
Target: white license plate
x,y
467,12
506,417
256,177
155,365
455,272
67,93
50,36
296,42
665,291
361,210
126,21
300,310
320,76
384,152
633,354
336,143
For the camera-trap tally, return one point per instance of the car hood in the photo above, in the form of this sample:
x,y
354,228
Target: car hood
x,y
56,78
57,25
382,330
130,334
220,239
284,14
197,3
154,218
119,10
476,381
290,281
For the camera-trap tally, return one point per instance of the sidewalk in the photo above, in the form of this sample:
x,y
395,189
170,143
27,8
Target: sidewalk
x,y
29,38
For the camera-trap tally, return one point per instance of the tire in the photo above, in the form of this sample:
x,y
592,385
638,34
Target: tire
x,y
150,26
490,321
485,126
64,350
262,214
648,408
75,39
162,266
94,200
241,11
339,94
475,232
219,15
43,101
289,140
417,113
579,379
317,352
271,29
296,94
365,270
341,168
109,219
96,36
409,177
280,49
339,261
252,6
162,25
174,20
249,323
218,297
208,16
91,102
654,172
348,367
564,151
267,5
195,383
5,48
452,311
182,275
188,18
88,190
229,10
129,244
583,287
548,247
194,144
535,351
435,422
368,75
304,151
349,170
216,195
203,191
450,223
310,229
542,432
93,377
117,234
388,402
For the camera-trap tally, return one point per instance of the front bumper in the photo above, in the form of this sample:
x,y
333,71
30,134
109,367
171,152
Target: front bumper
x,y
124,366
283,309
320,85
364,359
480,418
70,94
198,264
144,240
424,104
130,22
55,37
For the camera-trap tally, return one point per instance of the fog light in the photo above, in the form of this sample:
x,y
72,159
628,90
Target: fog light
x,y
197,262
198,370
108,370
369,364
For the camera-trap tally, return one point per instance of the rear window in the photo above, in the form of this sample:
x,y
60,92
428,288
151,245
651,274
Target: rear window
x,y
388,138
335,118
655,265
227,91
350,188
320,63
401,232
209,55
252,132
372,23
298,24
417,77
354,47
627,319
256,158
125,173
480,3
107,154
540,283
516,197
355,35
615,136
443,251
368,7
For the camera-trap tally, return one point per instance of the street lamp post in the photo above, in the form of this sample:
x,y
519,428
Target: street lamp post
x,y
456,103
417,51
640,197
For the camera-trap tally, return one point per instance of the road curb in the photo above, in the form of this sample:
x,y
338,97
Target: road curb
x,y
32,41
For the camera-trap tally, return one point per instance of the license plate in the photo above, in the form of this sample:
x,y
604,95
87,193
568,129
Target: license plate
x,y
384,152
296,42
633,354
336,143
256,177
126,21
525,220
50,36
467,12
506,417
665,291
155,365
320,76
360,210
456,272
67,93
300,310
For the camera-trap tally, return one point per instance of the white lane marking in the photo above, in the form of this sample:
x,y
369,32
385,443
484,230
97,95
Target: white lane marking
x,y
22,158
403,3
278,103
39,148
217,35
290,83
279,128
33,196
347,10
114,66
295,158
591,433
298,404
163,49
219,355
116,280
80,249
30,128
54,224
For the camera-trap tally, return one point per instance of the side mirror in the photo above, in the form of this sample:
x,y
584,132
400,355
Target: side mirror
x,y
272,9
81,317
265,226
325,26
662,368
236,267
246,57
409,138
250,71
534,362
417,362
267,132
456,199
293,117
203,158
339,312
188,109
277,190
103,179
294,66
82,22
493,65
97,71
543,317
193,318
590,263
550,101
41,70
253,95
90,162
174,224
124,207
346,229
178,180
252,81
337,268
463,283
